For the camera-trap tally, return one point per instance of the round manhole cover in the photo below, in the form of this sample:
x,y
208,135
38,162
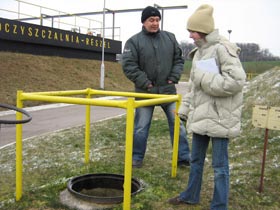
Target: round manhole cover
x,y
101,188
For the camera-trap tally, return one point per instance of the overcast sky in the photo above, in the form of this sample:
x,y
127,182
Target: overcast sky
x,y
251,21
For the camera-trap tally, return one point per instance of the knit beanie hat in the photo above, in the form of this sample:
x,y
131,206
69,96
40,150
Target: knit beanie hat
x,y
202,20
148,12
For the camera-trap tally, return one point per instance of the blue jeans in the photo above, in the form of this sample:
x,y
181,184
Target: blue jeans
x,y
220,165
142,123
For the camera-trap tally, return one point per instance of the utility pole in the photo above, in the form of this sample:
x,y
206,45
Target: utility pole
x,y
102,70
229,32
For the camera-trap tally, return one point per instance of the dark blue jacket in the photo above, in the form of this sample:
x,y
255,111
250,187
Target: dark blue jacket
x,y
153,58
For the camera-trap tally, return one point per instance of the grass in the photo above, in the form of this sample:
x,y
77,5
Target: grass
x,y
51,160
260,66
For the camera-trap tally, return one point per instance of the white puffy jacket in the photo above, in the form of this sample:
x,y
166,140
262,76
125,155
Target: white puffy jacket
x,y
213,103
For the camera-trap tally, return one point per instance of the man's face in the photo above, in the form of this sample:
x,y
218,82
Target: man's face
x,y
152,24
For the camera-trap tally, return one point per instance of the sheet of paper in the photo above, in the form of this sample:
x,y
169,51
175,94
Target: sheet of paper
x,y
208,65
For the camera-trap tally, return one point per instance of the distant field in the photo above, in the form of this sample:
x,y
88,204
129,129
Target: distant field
x,y
253,67
260,66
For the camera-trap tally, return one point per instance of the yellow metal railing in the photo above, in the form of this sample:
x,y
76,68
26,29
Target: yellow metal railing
x,y
251,75
129,103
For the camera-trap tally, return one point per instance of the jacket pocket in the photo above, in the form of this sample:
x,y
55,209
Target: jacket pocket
x,y
153,90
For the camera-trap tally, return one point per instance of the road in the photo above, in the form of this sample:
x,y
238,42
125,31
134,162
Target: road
x,y
55,117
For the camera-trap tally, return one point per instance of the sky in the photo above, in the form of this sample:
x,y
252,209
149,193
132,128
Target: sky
x,y
251,21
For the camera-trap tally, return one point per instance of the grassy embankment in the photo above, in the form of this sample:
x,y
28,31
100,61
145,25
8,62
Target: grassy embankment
x,y
32,73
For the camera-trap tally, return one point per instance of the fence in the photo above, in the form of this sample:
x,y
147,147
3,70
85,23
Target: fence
x,y
57,19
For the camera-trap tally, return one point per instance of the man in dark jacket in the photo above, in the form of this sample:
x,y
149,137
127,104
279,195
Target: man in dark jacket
x,y
152,60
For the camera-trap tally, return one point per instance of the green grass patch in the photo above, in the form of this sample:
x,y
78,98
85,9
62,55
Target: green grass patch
x,y
259,66
51,160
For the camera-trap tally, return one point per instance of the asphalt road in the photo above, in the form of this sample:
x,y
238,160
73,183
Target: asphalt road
x,y
54,117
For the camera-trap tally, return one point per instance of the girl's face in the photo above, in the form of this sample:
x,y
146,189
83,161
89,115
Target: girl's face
x,y
195,35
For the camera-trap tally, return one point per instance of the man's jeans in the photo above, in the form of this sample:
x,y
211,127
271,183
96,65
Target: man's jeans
x,y
220,165
142,123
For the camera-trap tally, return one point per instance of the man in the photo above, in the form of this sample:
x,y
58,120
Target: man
x,y
212,107
152,60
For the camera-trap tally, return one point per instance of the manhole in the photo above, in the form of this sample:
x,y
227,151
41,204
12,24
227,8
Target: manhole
x,y
101,188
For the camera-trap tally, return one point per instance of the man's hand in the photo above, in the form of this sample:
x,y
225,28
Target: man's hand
x,y
150,86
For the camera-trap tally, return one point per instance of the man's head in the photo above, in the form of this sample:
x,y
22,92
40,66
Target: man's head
x,y
150,19
202,20
148,12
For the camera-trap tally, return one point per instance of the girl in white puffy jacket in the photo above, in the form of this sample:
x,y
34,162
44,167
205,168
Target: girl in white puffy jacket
x,y
212,106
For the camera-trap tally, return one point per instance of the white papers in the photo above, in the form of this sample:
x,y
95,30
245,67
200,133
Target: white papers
x,y
208,65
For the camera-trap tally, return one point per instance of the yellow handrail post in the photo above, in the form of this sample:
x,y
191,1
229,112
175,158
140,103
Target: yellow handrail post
x,y
87,132
19,148
176,139
128,153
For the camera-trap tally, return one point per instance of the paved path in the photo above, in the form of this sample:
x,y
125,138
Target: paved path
x,y
54,117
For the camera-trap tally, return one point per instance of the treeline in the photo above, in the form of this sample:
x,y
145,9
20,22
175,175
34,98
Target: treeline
x,y
249,52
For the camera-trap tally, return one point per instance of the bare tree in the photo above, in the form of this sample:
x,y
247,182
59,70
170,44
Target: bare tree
x,y
249,52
